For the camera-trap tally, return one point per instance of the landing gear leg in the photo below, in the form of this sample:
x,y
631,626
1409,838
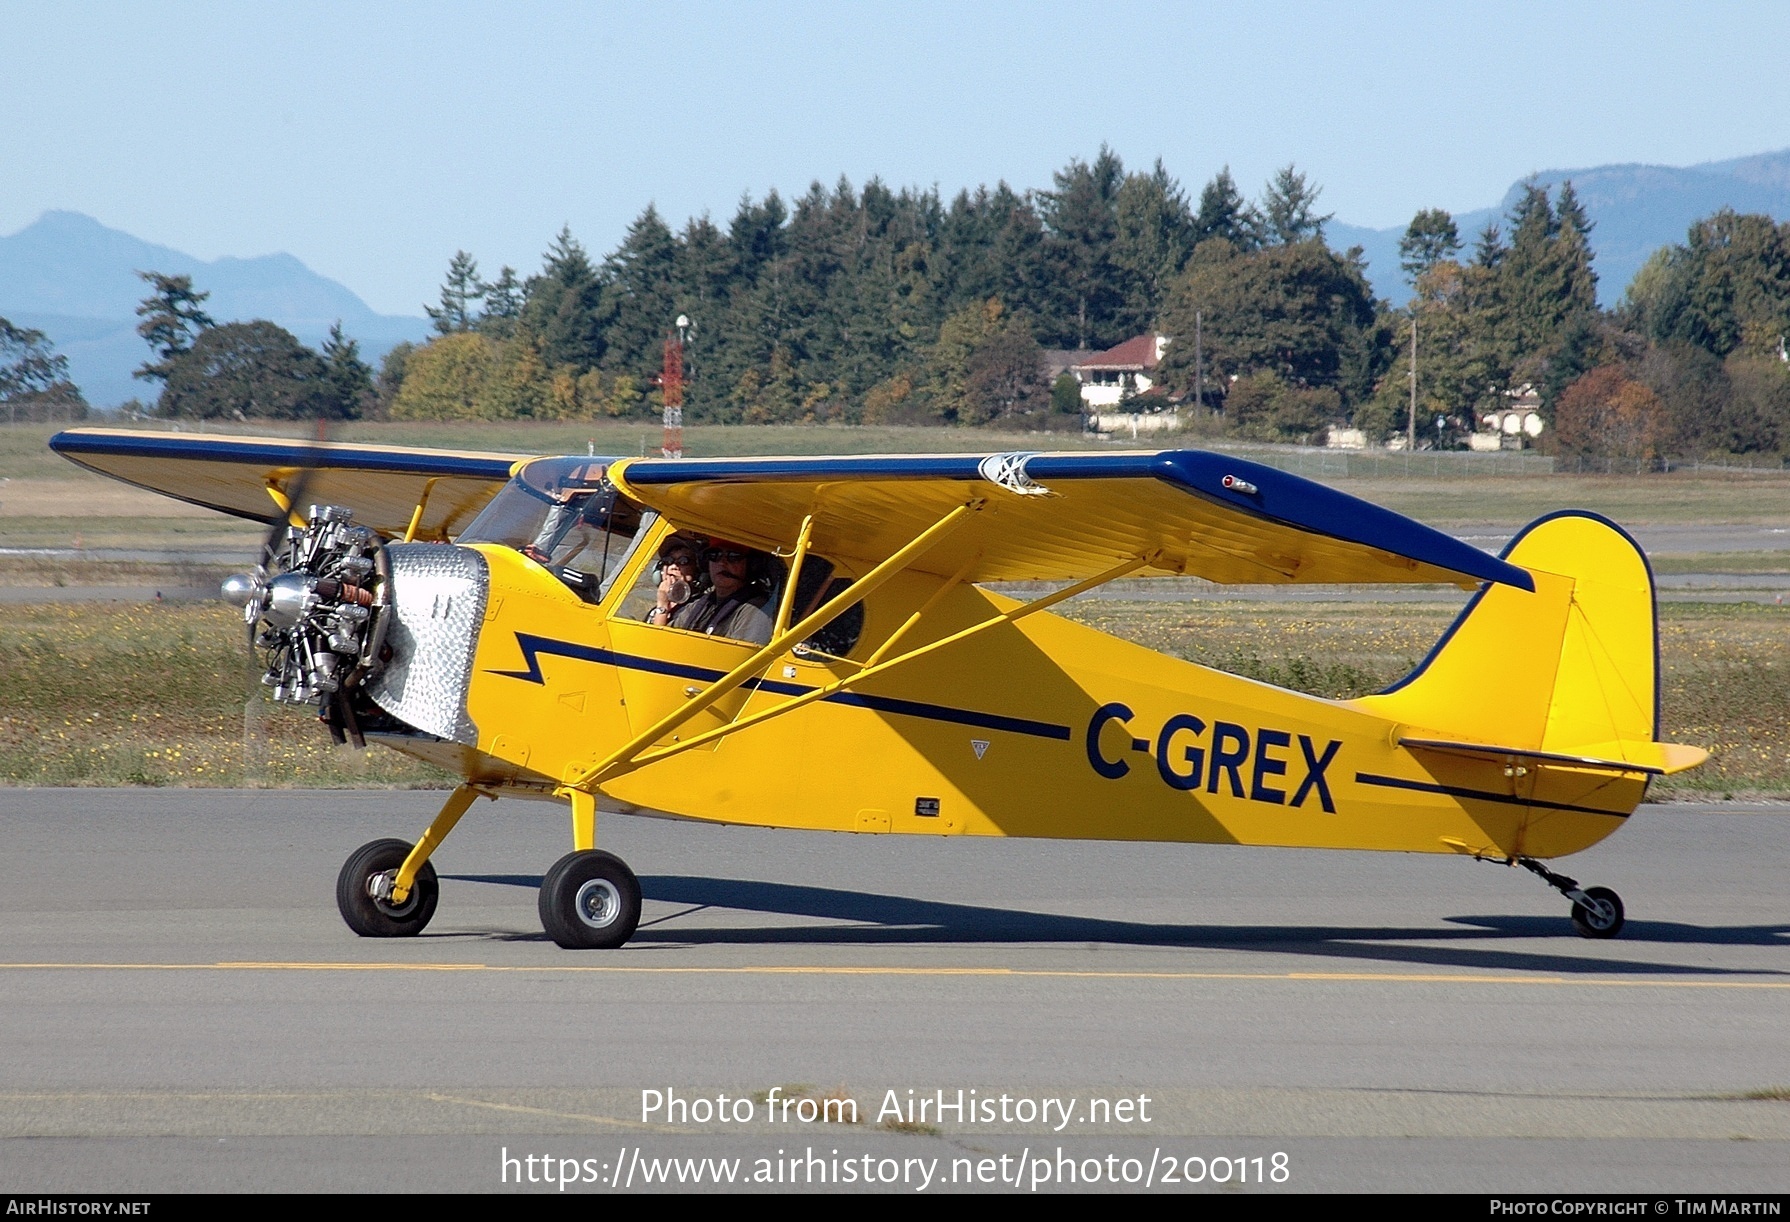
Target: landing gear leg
x,y
1596,911
590,900
387,889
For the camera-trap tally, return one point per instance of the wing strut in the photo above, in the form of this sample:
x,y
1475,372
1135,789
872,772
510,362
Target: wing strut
x,y
627,760
422,502
282,498
627,757
787,603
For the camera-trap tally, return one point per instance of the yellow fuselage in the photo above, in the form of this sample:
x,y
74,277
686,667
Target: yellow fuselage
x,y
1043,727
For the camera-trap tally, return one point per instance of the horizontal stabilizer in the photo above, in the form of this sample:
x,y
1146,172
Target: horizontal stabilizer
x,y
1654,759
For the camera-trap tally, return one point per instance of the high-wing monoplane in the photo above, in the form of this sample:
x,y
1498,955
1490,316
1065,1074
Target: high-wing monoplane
x,y
814,643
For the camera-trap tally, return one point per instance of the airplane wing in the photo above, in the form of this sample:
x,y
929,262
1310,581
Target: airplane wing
x,y
382,484
1064,517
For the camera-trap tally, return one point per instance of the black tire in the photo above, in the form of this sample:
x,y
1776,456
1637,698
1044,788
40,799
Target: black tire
x,y
590,901
1606,923
371,918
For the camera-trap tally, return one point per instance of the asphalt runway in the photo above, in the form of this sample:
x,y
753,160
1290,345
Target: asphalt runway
x,y
182,1008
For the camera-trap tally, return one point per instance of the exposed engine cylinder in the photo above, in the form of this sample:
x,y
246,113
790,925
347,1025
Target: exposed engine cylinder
x,y
322,618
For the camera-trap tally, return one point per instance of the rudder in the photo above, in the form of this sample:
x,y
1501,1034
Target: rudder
x,y
1571,667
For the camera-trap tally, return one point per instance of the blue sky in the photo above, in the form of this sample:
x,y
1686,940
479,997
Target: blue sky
x,y
372,141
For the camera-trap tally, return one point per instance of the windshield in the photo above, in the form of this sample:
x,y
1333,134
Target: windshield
x,y
562,513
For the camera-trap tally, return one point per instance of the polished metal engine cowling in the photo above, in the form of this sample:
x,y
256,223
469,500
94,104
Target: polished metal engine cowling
x,y
437,604
344,615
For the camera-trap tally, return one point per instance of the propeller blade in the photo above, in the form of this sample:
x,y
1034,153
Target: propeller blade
x,y
295,494
273,547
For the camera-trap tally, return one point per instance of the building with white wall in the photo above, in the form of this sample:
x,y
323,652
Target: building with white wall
x,y
1109,377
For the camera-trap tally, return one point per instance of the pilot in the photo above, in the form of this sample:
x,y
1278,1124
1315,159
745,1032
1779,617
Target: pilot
x,y
734,606
681,577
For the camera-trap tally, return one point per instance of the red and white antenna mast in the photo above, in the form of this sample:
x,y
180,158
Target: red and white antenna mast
x,y
671,384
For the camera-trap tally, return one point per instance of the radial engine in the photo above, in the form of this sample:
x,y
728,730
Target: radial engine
x,y
321,618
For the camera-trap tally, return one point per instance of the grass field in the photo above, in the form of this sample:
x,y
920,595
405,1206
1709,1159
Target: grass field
x,y
154,695
109,694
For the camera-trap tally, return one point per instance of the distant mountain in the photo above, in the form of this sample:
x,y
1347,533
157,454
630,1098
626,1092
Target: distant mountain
x,y
76,280
1635,209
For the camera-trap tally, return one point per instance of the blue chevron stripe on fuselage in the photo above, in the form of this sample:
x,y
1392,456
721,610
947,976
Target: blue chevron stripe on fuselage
x,y
534,647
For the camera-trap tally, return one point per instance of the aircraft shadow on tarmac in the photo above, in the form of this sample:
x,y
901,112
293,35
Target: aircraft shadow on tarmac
x,y
893,920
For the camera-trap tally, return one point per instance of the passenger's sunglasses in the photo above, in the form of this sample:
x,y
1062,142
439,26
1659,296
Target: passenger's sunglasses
x,y
683,560
731,557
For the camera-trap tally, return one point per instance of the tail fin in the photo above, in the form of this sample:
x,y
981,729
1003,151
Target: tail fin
x,y
1571,669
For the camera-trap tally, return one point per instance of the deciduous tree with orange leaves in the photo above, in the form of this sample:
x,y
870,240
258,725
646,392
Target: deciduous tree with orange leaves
x,y
1607,414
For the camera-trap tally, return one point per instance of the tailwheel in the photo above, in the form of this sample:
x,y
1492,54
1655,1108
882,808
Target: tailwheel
x,y
590,900
366,878
1599,914
1596,911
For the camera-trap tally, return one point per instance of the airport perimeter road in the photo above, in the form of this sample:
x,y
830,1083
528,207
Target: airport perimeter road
x,y
181,1008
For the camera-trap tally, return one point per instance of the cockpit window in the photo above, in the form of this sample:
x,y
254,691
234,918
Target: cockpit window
x,y
815,587
564,514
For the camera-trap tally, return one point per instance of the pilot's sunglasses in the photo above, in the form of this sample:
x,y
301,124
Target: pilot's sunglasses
x,y
730,557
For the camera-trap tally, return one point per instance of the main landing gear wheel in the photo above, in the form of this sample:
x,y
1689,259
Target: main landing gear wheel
x,y
1601,917
590,901
371,917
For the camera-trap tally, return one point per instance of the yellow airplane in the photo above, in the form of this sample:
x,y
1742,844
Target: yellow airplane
x,y
811,643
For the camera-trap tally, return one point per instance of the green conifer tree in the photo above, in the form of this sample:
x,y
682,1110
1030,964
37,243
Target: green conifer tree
x,y
350,379
460,293
564,303
1225,215
1430,238
503,305
1080,218
172,318
1287,208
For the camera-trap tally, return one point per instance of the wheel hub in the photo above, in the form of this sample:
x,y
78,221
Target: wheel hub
x,y
598,903
380,887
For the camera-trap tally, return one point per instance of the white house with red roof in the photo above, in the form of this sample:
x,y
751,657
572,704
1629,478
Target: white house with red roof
x,y
1110,377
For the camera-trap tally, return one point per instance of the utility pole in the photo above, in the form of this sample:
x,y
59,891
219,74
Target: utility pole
x,y
1199,363
1411,427
671,384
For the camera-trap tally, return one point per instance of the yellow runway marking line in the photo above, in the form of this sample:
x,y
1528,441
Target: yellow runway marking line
x,y
818,970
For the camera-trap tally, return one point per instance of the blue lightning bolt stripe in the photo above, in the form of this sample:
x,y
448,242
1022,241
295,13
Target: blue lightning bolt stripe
x,y
535,647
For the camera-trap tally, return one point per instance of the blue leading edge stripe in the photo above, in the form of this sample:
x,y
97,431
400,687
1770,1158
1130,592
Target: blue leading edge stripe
x,y
280,454
533,647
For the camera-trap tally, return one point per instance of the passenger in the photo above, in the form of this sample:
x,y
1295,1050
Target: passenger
x,y
734,604
680,578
